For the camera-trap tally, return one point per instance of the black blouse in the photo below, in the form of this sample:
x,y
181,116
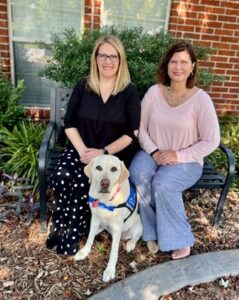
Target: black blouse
x,y
99,123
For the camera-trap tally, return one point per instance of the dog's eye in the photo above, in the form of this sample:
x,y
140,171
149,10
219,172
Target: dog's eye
x,y
113,169
99,168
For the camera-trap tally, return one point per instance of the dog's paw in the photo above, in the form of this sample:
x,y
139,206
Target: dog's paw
x,y
80,255
130,245
109,274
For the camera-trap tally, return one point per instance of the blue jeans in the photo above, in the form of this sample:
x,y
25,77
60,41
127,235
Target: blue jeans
x,y
160,200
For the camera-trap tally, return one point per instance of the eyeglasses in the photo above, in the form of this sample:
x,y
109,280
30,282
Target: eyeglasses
x,y
103,57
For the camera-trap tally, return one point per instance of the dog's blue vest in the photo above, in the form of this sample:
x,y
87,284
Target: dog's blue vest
x,y
131,203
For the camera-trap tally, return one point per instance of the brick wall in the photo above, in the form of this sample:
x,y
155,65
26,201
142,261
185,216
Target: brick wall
x,y
4,41
215,24
92,14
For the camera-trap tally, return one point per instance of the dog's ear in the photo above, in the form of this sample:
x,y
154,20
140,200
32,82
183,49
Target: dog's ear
x,y
124,172
88,170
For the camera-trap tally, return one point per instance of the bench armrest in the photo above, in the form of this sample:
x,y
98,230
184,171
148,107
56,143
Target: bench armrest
x,y
230,161
47,142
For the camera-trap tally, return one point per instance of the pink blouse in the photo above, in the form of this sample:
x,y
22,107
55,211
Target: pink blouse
x,y
191,129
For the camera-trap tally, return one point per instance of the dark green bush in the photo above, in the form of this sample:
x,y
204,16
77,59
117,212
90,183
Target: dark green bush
x,y
11,113
71,52
19,154
230,137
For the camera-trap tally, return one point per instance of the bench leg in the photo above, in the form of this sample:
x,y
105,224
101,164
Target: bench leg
x,y
220,205
43,204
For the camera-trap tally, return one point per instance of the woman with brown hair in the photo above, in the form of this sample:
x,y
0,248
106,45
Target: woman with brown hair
x,y
179,127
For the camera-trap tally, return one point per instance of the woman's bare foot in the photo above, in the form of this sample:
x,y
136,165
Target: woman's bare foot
x,y
181,253
152,247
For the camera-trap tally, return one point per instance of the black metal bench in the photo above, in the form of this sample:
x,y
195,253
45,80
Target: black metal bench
x,y
50,152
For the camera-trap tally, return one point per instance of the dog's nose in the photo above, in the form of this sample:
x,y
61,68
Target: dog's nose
x,y
105,183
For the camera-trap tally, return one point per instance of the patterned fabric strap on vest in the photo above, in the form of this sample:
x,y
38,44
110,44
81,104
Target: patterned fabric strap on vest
x,y
131,203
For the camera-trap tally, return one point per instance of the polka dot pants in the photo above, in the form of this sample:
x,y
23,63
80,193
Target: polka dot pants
x,y
71,214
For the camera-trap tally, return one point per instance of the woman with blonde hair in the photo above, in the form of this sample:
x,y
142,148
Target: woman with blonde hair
x,y
102,117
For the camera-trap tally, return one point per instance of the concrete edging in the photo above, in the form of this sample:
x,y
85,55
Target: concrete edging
x,y
171,276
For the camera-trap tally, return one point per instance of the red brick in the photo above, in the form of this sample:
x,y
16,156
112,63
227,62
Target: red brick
x,y
226,53
88,10
218,58
234,26
98,3
3,8
3,24
221,45
206,64
220,71
234,59
229,19
177,20
193,36
5,54
3,16
230,4
230,96
234,78
88,2
206,17
204,29
4,39
203,43
223,32
96,19
210,37
3,32
216,10
219,89
234,90
210,3
232,12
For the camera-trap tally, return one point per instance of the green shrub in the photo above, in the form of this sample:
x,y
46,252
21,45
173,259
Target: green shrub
x,y
71,52
11,113
230,137
20,150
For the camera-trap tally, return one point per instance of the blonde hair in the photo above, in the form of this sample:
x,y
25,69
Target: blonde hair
x,y
122,77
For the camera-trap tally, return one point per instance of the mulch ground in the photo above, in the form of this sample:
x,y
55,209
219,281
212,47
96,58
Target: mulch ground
x,y
30,271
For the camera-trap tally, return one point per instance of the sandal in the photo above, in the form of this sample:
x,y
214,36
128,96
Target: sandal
x,y
152,247
181,253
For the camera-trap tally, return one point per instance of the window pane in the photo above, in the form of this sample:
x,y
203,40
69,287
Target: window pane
x,y
34,20
150,14
29,60
38,18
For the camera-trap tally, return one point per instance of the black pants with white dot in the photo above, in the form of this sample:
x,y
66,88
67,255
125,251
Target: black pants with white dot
x,y
71,214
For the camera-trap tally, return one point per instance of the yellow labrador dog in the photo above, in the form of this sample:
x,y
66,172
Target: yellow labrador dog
x,y
114,208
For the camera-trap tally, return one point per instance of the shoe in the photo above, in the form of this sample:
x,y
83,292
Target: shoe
x,y
152,247
181,253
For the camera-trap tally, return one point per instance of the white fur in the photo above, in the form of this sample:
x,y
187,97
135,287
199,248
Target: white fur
x,y
111,168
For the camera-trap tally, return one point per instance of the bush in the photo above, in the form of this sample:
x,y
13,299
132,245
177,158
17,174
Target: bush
x,y
11,113
230,137
20,151
71,52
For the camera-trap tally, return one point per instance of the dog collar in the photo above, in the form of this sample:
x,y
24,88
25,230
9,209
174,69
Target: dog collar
x,y
131,203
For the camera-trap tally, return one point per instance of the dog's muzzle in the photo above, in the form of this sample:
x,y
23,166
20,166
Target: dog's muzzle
x,y
104,185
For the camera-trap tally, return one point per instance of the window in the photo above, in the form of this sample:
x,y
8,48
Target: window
x,y
32,21
152,15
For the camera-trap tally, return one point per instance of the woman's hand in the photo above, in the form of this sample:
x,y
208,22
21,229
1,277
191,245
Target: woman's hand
x,y
165,158
89,154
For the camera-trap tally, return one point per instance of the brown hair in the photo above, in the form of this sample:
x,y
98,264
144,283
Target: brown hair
x,y
162,72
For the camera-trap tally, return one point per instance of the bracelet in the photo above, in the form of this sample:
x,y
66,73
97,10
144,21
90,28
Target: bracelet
x,y
152,153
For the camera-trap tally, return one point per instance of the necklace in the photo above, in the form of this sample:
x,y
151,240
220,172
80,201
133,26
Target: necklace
x,y
175,99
